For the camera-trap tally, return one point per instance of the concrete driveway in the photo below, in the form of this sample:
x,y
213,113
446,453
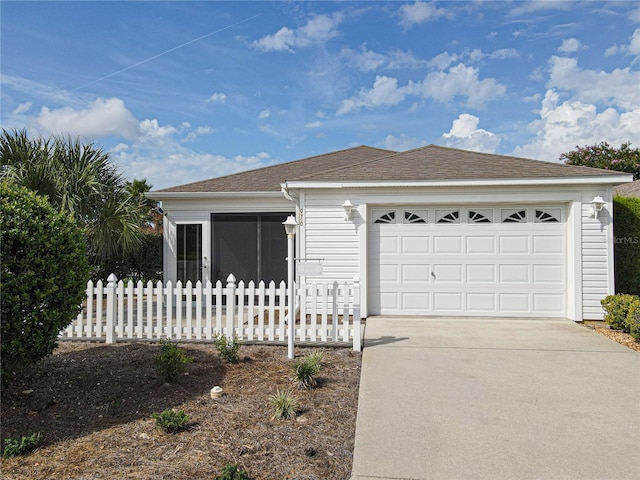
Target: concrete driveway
x,y
461,398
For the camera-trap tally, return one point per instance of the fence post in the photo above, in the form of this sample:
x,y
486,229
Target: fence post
x,y
231,304
111,308
357,340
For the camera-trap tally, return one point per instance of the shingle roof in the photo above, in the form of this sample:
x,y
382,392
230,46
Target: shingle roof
x,y
628,189
370,164
269,178
441,163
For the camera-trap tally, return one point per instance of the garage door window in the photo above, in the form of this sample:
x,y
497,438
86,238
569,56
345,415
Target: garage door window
x,y
447,216
514,215
415,216
385,216
550,215
481,216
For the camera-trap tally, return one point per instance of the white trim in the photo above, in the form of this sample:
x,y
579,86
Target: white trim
x,y
205,195
574,258
605,179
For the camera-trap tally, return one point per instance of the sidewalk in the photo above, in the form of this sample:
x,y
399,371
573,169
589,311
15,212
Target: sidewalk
x,y
495,399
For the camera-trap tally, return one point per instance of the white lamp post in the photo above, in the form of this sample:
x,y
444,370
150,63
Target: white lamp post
x,y
290,225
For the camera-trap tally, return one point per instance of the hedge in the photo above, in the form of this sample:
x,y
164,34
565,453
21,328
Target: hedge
x,y
626,229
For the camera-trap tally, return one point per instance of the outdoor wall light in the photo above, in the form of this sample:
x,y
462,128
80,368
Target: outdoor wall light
x,y
595,206
290,225
347,206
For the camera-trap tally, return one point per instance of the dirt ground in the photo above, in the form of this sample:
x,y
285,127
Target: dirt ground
x,y
618,336
92,404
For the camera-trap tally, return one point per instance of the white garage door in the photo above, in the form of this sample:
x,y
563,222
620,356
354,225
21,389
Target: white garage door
x,y
485,261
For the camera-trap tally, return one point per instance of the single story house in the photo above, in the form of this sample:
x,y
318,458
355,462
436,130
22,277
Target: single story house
x,y
430,231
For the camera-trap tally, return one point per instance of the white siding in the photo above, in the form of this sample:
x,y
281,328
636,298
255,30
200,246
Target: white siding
x,y
597,255
329,237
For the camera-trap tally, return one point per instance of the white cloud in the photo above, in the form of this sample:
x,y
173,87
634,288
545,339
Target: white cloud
x,y
385,92
315,124
152,131
402,143
564,125
443,60
22,108
217,97
103,117
569,45
366,60
531,6
504,54
198,132
634,44
317,30
461,81
420,12
441,86
264,114
612,50
619,88
466,135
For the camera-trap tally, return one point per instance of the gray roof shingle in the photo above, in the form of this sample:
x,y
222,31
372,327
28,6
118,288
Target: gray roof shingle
x,y
628,189
430,163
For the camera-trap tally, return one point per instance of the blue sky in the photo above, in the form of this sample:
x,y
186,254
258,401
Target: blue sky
x,y
183,91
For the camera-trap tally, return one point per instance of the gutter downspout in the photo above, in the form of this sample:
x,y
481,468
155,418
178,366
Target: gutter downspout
x,y
296,200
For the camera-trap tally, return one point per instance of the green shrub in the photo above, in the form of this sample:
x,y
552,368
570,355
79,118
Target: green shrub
x,y
171,421
285,404
626,230
228,347
14,446
171,361
44,273
633,320
232,472
617,308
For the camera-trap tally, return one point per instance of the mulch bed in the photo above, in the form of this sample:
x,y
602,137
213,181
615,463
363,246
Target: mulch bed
x,y
618,336
92,403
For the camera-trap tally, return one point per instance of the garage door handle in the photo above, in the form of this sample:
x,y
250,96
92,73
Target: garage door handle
x,y
433,275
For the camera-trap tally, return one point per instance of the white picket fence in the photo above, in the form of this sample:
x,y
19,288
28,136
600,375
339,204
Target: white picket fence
x,y
325,313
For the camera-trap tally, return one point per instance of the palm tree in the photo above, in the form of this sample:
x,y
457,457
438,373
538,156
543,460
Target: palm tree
x,y
79,179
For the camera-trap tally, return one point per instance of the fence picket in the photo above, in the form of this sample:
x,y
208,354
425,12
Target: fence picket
x,y
282,296
261,293
240,305
208,298
251,299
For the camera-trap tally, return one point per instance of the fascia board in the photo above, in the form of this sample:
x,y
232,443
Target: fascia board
x,y
607,180
205,195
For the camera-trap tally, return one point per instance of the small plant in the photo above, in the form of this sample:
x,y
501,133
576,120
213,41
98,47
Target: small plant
x,y
228,347
232,472
305,370
171,361
285,404
633,320
171,421
14,446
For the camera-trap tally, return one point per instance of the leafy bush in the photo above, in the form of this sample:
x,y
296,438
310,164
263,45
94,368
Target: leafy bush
x,y
626,229
618,308
44,276
228,347
285,404
14,446
633,320
171,421
171,361
142,263
305,370
232,472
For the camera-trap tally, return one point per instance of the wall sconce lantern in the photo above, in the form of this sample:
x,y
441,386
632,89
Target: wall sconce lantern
x,y
348,210
595,206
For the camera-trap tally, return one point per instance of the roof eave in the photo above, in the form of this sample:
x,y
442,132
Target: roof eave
x,y
598,180
201,195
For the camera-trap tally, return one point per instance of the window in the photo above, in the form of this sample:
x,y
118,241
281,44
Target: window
x,y
550,215
387,217
189,252
416,216
484,215
251,246
514,215
447,216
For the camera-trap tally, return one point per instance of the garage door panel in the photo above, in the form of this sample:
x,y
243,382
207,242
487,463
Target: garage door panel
x,y
447,273
415,302
514,273
548,303
447,245
447,302
548,274
548,244
416,273
415,245
510,245
485,245
481,273
514,302
482,302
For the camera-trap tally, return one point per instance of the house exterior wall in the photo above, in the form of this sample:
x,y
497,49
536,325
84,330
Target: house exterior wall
x,y
342,245
190,210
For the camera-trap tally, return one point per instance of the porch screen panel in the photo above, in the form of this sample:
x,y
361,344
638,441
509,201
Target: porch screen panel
x,y
189,252
235,247
251,246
